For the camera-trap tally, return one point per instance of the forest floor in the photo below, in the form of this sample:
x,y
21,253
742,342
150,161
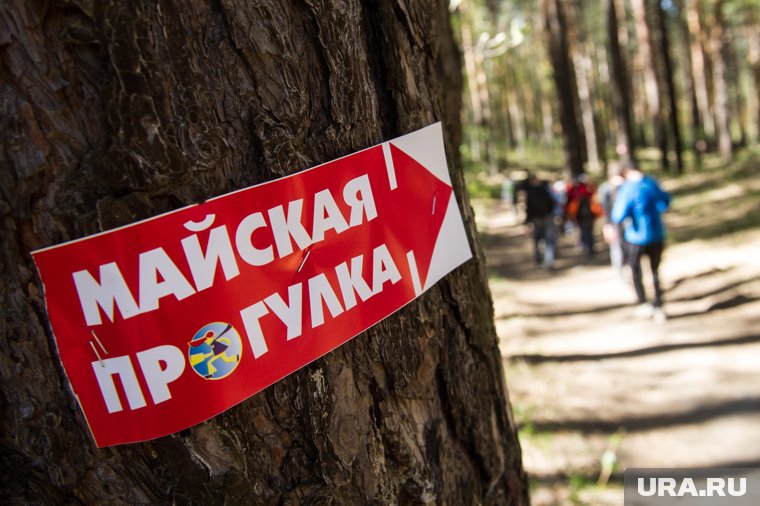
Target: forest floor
x,y
595,390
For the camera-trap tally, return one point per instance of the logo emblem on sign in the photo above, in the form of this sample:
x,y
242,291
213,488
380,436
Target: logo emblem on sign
x,y
215,351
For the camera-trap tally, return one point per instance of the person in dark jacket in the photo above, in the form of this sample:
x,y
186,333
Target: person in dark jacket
x,y
639,205
539,218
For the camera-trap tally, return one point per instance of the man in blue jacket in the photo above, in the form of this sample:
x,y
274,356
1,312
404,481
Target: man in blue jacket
x,y
639,205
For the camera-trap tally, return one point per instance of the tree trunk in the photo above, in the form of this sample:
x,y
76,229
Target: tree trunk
x,y
564,79
582,68
697,131
621,91
648,66
477,81
698,72
720,86
518,121
118,111
471,73
581,61
753,54
667,67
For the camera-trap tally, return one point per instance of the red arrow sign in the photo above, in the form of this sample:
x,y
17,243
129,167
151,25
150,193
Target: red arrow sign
x,y
167,322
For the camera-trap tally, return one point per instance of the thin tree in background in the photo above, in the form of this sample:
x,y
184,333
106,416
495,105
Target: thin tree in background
x,y
516,109
474,77
564,79
699,73
582,67
621,91
740,104
753,55
648,67
696,128
667,67
720,86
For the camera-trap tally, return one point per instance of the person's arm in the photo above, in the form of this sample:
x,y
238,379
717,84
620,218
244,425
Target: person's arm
x,y
663,199
622,207
528,206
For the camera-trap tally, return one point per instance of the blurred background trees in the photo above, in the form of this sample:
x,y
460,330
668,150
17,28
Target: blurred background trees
x,y
583,81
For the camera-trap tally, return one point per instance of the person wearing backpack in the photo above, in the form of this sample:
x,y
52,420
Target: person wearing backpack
x,y
539,220
581,208
639,205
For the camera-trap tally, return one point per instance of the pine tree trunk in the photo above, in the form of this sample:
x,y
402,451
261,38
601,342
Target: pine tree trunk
x,y
667,68
621,91
651,79
697,131
699,71
720,86
118,111
753,42
565,82
579,49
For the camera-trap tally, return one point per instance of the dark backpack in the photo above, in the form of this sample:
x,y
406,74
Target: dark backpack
x,y
539,201
584,212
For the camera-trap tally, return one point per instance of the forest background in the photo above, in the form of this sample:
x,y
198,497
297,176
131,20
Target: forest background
x,y
664,81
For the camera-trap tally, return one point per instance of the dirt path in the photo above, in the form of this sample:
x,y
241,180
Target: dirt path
x,y
592,386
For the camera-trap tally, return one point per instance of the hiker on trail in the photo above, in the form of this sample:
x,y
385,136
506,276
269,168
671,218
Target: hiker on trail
x,y
539,220
559,192
612,232
582,209
639,205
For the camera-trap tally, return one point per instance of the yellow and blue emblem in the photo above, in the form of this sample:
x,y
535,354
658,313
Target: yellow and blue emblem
x,y
215,350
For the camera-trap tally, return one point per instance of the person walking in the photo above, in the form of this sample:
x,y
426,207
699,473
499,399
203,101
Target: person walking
x,y
612,232
639,205
539,219
580,209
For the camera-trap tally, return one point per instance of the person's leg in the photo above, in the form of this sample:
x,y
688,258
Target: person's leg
x,y
654,252
587,237
634,261
550,243
538,234
616,257
623,247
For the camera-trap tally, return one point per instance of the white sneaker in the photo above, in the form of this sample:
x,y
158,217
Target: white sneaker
x,y
644,311
658,315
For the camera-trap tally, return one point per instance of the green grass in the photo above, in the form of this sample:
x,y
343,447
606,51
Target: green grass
x,y
480,188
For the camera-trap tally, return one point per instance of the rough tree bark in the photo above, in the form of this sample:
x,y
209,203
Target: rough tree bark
x,y
115,111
